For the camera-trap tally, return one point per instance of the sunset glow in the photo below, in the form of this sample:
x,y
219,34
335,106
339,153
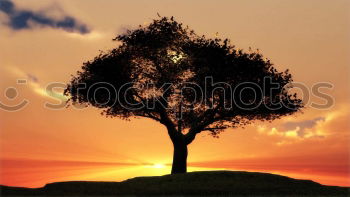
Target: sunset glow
x,y
157,165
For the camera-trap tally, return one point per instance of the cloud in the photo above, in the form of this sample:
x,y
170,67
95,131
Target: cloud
x,y
32,78
33,83
296,130
25,19
301,126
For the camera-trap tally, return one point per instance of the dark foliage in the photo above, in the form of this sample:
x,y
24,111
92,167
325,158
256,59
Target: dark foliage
x,y
152,64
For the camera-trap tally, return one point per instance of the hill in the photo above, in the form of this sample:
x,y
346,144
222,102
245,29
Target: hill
x,y
233,183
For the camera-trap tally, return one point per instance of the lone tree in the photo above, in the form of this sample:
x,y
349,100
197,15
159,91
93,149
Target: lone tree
x,y
188,83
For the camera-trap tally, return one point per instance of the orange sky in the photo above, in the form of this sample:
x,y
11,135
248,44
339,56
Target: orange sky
x,y
40,145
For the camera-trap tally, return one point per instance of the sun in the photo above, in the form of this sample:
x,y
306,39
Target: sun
x,y
158,165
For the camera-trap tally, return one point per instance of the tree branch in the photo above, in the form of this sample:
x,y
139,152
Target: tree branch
x,y
213,129
149,115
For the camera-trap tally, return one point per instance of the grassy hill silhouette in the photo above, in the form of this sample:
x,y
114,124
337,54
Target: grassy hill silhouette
x,y
234,183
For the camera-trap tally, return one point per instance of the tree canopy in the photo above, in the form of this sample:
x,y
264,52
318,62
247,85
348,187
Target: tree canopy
x,y
166,72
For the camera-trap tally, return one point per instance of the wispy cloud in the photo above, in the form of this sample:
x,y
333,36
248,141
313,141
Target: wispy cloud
x,y
33,82
301,126
25,19
296,129
32,78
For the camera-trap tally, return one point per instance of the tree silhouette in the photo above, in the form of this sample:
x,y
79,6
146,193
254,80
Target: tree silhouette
x,y
188,83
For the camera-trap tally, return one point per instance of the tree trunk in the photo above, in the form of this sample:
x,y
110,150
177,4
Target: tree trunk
x,y
179,159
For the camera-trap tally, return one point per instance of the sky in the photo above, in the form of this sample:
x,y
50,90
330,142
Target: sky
x,y
45,42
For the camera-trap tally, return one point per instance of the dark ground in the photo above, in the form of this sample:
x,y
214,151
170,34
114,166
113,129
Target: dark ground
x,y
218,183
